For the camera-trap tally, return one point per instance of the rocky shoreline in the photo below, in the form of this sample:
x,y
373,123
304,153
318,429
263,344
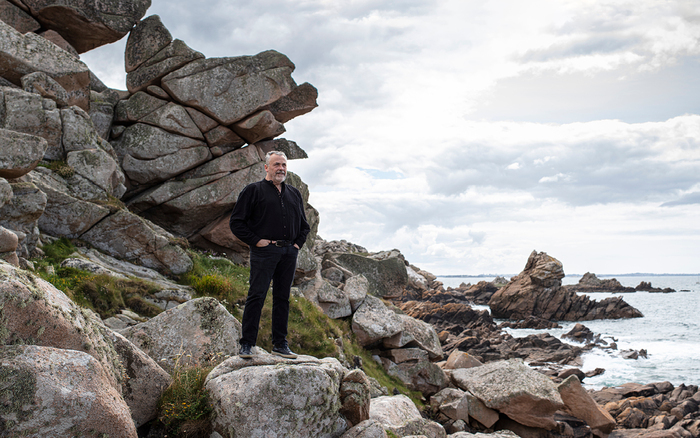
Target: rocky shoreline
x,y
136,177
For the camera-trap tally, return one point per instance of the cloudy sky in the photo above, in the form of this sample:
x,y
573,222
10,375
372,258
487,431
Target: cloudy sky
x,y
468,133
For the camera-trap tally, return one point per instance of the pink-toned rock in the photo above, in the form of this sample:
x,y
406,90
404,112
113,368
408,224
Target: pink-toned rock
x,y
580,404
460,359
20,153
17,18
146,39
259,126
224,138
57,39
24,54
537,291
355,397
203,121
76,398
170,58
86,25
299,101
230,89
513,388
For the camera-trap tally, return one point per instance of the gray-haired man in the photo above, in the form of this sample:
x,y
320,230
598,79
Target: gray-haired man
x,y
269,217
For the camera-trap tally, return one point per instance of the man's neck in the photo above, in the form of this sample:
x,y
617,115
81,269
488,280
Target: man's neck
x,y
278,186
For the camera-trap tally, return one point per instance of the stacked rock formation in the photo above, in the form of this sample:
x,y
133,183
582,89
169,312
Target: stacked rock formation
x,y
134,173
537,291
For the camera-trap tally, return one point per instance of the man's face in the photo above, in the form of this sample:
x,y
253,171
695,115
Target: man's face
x,y
277,169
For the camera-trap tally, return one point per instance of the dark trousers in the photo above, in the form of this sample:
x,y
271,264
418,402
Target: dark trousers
x,y
269,263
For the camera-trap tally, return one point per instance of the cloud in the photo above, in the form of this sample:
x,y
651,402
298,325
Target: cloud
x,y
467,134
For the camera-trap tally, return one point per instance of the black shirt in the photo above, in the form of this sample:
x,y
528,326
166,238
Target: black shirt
x,y
263,212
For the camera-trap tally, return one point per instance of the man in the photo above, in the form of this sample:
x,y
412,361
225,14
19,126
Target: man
x,y
269,217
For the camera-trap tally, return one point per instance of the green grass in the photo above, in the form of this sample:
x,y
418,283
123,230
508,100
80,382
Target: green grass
x,y
183,409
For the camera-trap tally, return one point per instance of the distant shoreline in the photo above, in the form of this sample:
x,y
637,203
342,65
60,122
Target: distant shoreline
x,y
638,274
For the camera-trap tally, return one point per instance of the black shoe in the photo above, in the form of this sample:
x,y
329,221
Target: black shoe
x,y
245,352
284,351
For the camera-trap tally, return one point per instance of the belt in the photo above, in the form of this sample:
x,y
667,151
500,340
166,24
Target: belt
x,y
282,243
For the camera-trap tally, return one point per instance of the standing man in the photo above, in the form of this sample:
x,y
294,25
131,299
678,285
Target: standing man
x,y
269,217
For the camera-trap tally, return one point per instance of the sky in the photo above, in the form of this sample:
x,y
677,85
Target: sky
x,y
467,134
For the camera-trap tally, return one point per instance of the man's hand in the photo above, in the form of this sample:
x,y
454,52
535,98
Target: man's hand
x,y
296,246
263,242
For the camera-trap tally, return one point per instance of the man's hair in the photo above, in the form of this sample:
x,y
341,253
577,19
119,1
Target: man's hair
x,y
271,153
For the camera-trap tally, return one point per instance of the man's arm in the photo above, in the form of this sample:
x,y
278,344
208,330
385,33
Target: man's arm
x,y
304,227
238,222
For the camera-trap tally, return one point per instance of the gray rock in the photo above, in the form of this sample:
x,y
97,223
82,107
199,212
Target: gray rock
x,y
64,214
423,376
86,25
150,171
416,333
75,398
204,122
43,85
292,398
8,240
513,388
20,153
224,139
452,402
18,18
139,105
61,42
333,301
21,213
29,113
29,53
386,278
259,126
355,289
145,382
100,168
366,429
192,333
299,101
147,38
399,415
229,89
355,392
373,321
35,312
173,56
290,148
194,209
129,237
5,191
88,266
173,118
102,111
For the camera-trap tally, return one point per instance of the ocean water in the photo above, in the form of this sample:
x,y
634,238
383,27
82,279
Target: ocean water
x,y
669,332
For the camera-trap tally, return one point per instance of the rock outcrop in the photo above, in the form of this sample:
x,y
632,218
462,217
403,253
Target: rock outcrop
x,y
537,291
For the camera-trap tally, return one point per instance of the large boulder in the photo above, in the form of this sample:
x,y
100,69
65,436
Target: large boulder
x,y
65,213
130,237
374,321
29,53
401,417
41,398
35,312
366,429
195,332
21,215
537,291
386,278
86,25
169,59
514,389
579,403
272,396
229,89
146,39
145,379
416,333
18,18
355,397
31,114
20,153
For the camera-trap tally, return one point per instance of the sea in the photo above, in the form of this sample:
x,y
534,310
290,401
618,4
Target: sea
x,y
669,331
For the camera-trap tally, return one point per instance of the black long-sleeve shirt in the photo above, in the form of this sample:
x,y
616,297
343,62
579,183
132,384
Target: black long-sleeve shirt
x,y
263,212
